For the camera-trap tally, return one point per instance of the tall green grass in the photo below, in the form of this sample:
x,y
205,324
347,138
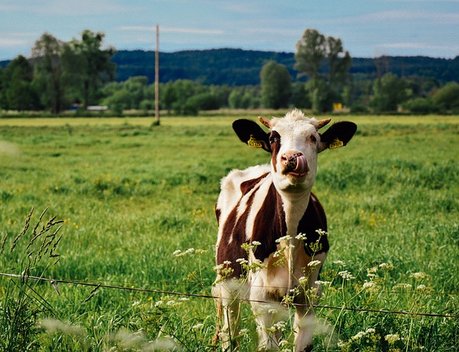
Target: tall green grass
x,y
131,195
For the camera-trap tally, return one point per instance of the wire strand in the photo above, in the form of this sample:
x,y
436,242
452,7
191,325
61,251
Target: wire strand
x,y
207,296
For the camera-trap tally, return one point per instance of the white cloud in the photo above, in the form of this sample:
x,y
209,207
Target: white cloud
x,y
65,7
401,15
12,42
166,29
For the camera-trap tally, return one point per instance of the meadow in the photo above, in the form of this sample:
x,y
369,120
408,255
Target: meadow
x,y
137,210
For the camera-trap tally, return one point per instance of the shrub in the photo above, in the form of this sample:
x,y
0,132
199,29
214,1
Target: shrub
x,y
420,106
447,97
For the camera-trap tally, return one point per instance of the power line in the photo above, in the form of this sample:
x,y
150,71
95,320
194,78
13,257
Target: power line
x,y
207,296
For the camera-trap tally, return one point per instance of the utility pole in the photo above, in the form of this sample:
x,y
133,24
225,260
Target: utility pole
x,y
157,77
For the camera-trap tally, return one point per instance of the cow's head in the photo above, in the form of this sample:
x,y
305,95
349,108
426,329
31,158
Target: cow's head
x,y
294,142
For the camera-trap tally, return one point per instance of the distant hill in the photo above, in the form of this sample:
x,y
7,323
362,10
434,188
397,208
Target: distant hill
x,y
233,67
242,67
236,67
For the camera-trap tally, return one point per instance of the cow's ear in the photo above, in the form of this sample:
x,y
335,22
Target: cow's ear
x,y
252,134
338,135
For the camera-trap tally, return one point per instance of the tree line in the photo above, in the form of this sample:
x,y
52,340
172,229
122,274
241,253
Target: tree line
x,y
80,73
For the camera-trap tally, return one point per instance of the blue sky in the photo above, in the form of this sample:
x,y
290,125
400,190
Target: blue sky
x,y
368,28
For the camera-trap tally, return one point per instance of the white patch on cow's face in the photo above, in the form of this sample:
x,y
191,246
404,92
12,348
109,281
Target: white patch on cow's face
x,y
295,137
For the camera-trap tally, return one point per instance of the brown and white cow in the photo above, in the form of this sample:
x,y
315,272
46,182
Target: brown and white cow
x,y
268,221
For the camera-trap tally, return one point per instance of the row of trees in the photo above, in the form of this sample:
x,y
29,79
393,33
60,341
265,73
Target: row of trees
x,y
58,74
80,73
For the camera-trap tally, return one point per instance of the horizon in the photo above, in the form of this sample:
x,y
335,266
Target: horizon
x,y
260,50
372,29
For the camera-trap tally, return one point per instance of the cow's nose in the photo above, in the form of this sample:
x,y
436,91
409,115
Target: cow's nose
x,y
289,159
294,162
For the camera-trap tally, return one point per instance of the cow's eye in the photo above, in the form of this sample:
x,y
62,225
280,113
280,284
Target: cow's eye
x,y
274,138
313,139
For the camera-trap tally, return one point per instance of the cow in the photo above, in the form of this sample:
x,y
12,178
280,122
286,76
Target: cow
x,y
272,237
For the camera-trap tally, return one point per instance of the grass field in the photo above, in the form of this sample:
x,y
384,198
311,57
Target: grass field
x,y
131,195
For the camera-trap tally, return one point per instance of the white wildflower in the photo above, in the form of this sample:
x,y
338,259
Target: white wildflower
x,y
368,285
176,253
386,266
54,325
256,243
314,263
358,336
283,238
422,288
227,262
339,262
346,275
283,343
321,232
243,332
372,271
403,286
303,280
323,283
419,276
392,338
219,267
301,236
242,261
197,326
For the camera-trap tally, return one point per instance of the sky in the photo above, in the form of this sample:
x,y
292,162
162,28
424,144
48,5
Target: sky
x,y
367,28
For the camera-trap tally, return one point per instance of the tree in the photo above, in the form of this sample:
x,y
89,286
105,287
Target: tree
x,y
19,93
388,93
275,85
447,97
339,61
326,63
87,66
46,54
311,50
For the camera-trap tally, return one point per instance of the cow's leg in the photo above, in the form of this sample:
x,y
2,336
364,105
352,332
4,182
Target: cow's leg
x,y
267,314
304,313
303,327
228,295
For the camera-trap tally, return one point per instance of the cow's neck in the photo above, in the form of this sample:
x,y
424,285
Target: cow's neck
x,y
295,205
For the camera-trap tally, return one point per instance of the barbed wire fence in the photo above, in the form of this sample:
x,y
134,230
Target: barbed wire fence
x,y
96,286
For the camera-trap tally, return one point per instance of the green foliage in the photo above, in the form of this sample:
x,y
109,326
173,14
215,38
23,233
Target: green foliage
x,y
420,106
87,66
275,85
244,98
30,252
314,50
131,196
447,97
18,91
388,93
47,54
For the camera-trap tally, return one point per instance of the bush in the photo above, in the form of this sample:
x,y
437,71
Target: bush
x,y
447,97
204,101
420,106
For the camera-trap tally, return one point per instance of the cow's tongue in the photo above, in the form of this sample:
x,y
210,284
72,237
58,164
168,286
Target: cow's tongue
x,y
301,167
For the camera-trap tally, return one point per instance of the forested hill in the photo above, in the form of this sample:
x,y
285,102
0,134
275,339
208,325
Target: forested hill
x,y
237,67
242,67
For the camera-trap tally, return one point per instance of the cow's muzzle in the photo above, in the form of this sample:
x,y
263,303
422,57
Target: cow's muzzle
x,y
294,164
